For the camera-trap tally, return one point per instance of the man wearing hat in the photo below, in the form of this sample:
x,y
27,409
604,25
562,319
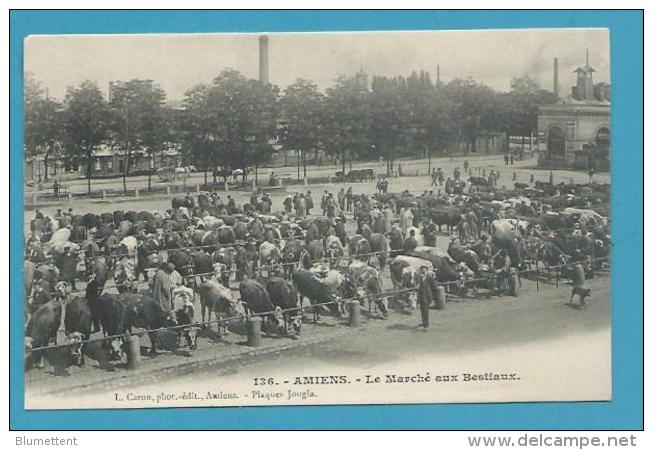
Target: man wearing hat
x,y
502,265
427,286
162,287
309,203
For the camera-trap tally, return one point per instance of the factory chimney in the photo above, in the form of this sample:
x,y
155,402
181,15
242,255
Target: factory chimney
x,y
264,64
556,85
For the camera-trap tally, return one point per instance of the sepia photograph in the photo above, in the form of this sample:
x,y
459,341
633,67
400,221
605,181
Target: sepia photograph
x,y
388,217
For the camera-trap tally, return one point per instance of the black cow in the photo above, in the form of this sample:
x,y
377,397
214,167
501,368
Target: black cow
x,y
284,296
448,216
317,292
315,250
178,202
142,311
182,261
41,329
78,322
290,255
257,301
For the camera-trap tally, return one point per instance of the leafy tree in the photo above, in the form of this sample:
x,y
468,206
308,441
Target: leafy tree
x,y
42,121
139,120
198,130
390,117
86,122
244,113
302,109
475,108
347,116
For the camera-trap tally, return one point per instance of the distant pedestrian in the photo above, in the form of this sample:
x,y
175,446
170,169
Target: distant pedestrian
x,y
341,198
349,199
309,203
506,159
591,174
512,160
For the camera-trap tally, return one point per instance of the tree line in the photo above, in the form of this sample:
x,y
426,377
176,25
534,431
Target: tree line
x,y
237,122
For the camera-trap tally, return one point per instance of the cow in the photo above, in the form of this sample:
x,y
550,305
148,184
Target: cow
x,y
312,233
284,297
226,235
315,249
449,216
257,302
41,330
404,272
368,285
182,261
142,311
447,270
217,298
360,248
379,245
334,250
290,255
78,322
269,256
185,202
319,293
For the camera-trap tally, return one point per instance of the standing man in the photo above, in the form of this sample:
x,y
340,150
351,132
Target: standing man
x,y
405,219
309,203
591,174
512,160
323,203
349,197
301,206
330,206
162,287
506,159
502,265
287,203
429,233
466,166
426,293
410,243
341,198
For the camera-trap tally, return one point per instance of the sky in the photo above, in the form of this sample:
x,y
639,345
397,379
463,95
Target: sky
x,y
179,61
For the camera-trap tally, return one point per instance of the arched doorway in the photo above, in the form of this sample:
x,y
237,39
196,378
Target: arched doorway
x,y
556,144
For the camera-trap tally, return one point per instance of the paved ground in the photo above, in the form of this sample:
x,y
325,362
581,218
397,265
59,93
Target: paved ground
x,y
502,331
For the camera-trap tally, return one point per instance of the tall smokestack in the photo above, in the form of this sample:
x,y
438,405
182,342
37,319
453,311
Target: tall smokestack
x,y
263,61
556,86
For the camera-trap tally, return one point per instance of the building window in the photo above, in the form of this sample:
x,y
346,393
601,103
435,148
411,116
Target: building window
x,y
110,163
98,165
571,131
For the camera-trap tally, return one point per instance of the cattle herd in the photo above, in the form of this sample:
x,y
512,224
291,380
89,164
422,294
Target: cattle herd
x,y
92,279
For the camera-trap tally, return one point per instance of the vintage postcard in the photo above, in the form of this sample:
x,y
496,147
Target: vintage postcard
x,y
317,218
